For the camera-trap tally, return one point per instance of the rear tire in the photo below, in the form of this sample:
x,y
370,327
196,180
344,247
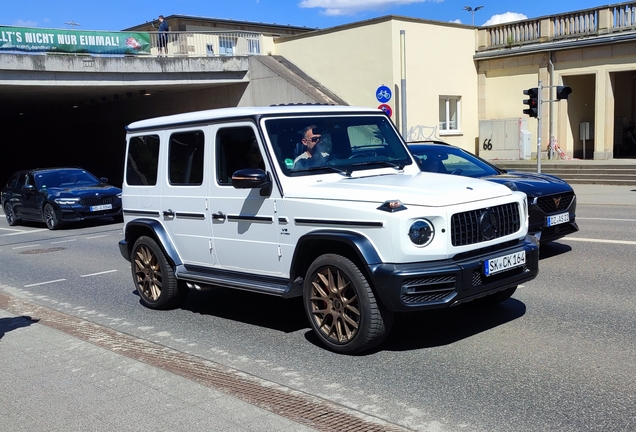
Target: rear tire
x,y
12,219
341,306
154,277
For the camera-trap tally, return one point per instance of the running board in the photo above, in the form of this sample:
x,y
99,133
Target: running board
x,y
196,276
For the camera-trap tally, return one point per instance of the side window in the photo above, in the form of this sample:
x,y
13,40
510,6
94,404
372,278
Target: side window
x,y
185,153
449,114
142,160
13,181
236,148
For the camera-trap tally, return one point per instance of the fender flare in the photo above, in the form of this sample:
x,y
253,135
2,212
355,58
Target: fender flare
x,y
160,234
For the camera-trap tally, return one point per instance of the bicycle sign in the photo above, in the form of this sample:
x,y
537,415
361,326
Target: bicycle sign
x,y
383,93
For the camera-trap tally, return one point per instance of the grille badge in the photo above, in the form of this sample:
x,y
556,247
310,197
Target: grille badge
x,y
557,201
489,224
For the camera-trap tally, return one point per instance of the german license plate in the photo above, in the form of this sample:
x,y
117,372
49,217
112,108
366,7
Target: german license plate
x,y
503,263
558,219
101,207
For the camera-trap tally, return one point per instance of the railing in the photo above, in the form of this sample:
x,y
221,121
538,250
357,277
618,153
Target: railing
x,y
190,44
572,25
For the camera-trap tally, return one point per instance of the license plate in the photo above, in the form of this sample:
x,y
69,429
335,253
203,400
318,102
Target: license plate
x,y
101,207
503,263
558,219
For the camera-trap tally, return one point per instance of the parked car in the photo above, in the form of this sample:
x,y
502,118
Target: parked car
x,y
320,202
56,196
552,201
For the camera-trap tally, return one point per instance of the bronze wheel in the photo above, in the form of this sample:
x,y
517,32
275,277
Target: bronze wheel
x,y
154,276
341,306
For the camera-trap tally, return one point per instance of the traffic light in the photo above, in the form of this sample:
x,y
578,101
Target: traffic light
x,y
562,92
532,102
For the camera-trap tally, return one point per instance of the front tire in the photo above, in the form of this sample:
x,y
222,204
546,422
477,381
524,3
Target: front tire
x,y
12,219
154,277
341,307
50,218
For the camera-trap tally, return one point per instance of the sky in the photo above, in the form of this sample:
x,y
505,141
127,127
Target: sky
x,y
115,15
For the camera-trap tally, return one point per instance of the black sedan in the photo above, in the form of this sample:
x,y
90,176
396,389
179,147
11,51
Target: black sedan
x,y
56,196
552,202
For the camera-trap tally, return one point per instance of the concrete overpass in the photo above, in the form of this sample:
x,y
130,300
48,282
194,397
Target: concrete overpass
x,y
73,109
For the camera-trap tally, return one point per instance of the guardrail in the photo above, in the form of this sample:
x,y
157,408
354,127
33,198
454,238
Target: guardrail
x,y
209,44
572,25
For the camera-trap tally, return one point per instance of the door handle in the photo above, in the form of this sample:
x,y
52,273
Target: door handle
x,y
218,216
168,213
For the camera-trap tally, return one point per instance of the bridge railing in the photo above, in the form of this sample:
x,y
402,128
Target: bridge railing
x,y
211,44
571,25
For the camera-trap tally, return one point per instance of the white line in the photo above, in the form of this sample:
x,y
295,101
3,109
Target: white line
x,y
44,283
100,273
606,219
27,246
64,241
22,232
12,229
582,239
104,235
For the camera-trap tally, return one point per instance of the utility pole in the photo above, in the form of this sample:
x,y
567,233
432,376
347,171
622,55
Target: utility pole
x,y
72,24
472,11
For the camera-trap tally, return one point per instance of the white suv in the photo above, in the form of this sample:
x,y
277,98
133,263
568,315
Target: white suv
x,y
323,202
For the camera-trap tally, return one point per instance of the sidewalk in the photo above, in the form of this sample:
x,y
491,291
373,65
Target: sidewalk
x,y
52,381
604,194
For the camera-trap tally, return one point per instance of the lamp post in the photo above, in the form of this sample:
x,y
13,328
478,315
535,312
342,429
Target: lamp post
x,y
472,11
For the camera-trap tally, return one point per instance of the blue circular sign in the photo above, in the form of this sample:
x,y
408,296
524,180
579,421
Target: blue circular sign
x,y
387,109
383,93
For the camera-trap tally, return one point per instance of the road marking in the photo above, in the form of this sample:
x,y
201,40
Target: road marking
x,y
11,229
583,239
44,283
22,232
606,219
94,237
64,241
27,246
100,273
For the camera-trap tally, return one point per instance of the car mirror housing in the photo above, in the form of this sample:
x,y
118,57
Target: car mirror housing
x,y
252,178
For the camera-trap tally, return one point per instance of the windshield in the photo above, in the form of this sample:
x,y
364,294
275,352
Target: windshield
x,y
65,179
340,144
447,159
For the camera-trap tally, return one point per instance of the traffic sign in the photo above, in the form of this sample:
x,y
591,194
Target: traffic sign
x,y
383,93
387,109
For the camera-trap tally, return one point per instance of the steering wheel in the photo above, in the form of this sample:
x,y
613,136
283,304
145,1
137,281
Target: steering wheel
x,y
458,171
359,155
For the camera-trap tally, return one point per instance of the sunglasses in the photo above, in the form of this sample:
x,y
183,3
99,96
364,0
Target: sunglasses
x,y
314,139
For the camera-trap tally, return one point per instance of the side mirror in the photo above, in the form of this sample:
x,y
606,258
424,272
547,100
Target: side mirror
x,y
28,188
252,178
104,179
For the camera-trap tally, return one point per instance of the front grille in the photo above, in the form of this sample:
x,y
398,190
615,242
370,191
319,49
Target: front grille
x,y
467,228
87,202
479,279
427,289
555,203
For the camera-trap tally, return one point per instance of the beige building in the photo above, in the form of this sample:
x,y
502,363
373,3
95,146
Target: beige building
x,y
464,84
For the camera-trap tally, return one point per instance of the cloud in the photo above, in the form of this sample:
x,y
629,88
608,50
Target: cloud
x,y
505,18
350,7
457,21
22,23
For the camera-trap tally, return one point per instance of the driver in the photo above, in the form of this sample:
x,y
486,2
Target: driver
x,y
312,156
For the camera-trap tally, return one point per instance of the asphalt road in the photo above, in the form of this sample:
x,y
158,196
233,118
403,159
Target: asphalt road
x,y
559,356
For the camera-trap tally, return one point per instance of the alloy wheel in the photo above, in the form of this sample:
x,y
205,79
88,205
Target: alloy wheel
x,y
148,272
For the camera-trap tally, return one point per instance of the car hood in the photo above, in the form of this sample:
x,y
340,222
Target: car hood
x,y
84,191
426,189
532,184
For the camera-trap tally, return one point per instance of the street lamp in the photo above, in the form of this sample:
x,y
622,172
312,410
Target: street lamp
x,y
472,11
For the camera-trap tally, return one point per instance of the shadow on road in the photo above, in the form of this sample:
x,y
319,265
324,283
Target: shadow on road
x,y
8,324
553,249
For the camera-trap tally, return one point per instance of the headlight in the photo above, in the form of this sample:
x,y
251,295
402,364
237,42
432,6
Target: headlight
x,y
421,232
67,201
119,195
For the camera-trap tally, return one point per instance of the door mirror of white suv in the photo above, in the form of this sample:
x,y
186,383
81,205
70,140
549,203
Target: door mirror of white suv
x,y
252,178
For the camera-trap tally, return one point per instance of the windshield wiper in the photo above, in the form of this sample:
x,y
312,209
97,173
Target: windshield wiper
x,y
398,167
345,173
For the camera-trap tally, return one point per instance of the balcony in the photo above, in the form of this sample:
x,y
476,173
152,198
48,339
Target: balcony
x,y
571,26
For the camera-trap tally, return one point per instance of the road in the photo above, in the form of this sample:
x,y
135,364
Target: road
x,y
559,356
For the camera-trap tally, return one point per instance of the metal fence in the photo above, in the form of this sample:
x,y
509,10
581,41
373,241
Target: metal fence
x,y
209,44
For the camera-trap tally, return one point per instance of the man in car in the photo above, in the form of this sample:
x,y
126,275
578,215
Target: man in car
x,y
312,156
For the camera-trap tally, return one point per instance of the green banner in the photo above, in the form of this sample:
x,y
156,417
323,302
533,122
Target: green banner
x,y
73,41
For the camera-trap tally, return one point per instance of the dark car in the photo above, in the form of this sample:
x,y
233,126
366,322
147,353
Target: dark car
x,y
552,202
56,196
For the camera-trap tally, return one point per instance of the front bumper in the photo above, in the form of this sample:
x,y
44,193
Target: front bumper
x,y
431,285
78,213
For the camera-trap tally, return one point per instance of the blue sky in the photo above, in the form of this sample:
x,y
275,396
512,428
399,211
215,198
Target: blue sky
x,y
117,15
